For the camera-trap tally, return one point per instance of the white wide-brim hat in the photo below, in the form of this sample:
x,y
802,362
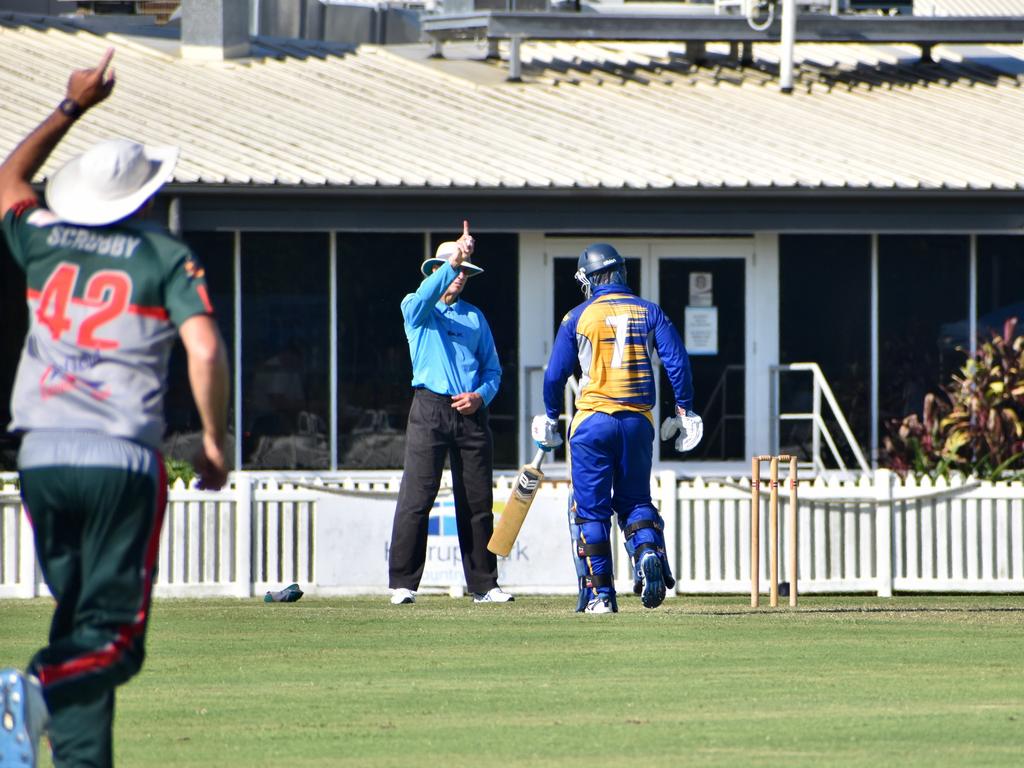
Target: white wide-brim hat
x,y
444,250
109,181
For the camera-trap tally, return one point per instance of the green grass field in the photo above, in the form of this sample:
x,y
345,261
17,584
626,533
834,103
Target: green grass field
x,y
700,681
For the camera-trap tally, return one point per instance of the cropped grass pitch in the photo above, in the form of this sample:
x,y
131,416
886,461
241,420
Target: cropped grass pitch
x,y
357,682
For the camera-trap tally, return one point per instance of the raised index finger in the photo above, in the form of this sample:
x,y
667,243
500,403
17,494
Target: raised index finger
x,y
465,227
101,68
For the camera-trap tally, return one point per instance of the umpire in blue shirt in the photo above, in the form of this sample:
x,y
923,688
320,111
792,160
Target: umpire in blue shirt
x,y
455,375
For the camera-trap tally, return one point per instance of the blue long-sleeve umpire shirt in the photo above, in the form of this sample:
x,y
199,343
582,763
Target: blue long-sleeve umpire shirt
x,y
451,347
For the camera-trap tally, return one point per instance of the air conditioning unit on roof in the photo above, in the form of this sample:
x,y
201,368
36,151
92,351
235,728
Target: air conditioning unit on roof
x,y
470,6
754,7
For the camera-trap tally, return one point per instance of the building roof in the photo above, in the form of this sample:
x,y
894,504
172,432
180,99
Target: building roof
x,y
1005,8
587,116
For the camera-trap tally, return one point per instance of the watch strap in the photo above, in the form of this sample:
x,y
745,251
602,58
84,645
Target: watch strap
x,y
70,107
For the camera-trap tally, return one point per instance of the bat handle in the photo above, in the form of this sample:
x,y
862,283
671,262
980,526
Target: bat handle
x,y
538,458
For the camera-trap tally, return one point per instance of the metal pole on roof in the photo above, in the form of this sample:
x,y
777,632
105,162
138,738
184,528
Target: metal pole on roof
x,y
515,64
788,41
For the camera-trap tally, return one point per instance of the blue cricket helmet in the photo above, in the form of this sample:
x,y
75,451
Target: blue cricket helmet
x,y
599,257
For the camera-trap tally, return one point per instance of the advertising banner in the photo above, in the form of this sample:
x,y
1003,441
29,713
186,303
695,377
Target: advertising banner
x,y
353,536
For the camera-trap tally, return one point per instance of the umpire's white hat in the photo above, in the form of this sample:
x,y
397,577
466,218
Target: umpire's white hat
x,y
444,250
109,181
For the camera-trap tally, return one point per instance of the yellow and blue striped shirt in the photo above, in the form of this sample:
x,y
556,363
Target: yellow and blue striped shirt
x,y
613,336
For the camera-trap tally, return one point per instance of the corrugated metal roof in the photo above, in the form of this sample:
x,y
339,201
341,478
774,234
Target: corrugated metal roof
x,y
969,7
588,116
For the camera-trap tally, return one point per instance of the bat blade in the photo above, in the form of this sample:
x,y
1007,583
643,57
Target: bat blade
x,y
523,493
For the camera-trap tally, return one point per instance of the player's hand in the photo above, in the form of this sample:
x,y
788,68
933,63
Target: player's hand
x,y
467,403
544,432
210,465
88,87
456,257
688,425
466,242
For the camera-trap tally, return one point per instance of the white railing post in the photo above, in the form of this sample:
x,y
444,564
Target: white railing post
x,y
883,531
27,557
243,534
668,505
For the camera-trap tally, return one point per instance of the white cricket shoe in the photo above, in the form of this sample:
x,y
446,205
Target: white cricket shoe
x,y
403,596
23,718
599,605
496,595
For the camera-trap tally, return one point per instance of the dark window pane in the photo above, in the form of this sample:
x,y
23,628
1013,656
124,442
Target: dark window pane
x,y
922,287
285,346
825,282
14,321
375,370
718,383
215,251
1000,285
374,272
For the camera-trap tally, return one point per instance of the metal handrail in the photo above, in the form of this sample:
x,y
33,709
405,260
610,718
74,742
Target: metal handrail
x,y
820,429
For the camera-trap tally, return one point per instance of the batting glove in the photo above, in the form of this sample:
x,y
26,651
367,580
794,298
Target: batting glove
x,y
689,426
545,433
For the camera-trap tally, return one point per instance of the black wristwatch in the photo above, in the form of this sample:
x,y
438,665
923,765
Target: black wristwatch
x,y
70,107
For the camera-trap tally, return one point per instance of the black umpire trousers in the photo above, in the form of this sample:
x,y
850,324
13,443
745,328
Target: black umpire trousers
x,y
436,431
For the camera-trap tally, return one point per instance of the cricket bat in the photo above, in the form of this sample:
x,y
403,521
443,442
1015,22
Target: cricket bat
x,y
518,504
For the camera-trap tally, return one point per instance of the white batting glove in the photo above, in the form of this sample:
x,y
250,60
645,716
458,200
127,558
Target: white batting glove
x,y
544,432
688,425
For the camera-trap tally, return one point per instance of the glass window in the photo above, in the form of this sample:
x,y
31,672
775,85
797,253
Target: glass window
x,y
1000,284
375,272
825,283
14,322
922,290
285,349
215,251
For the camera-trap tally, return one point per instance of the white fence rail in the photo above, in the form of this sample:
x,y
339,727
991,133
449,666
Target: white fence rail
x,y
874,535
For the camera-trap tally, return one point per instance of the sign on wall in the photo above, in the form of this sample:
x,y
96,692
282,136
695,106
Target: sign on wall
x,y
700,333
700,289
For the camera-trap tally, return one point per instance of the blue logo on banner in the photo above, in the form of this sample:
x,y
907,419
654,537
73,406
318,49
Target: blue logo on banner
x,y
442,519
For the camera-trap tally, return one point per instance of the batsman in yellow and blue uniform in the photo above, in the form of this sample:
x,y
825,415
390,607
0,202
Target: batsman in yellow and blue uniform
x,y
612,335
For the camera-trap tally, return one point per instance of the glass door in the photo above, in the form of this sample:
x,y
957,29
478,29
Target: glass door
x,y
702,285
704,299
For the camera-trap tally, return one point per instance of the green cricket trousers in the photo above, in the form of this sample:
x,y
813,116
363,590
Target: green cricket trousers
x,y
96,504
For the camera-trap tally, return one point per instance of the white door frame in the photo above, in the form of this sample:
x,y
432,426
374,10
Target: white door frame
x,y
536,306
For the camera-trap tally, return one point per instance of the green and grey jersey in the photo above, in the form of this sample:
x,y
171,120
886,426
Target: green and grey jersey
x,y
104,304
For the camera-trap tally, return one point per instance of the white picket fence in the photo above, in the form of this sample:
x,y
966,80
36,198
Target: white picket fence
x,y
875,535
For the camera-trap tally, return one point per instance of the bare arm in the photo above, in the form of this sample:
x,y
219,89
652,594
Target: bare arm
x,y
86,88
208,376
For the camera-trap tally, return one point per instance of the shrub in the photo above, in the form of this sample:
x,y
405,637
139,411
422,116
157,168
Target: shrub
x,y
975,426
179,469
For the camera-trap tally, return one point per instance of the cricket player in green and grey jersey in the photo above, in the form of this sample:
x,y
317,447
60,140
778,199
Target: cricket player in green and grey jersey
x,y
108,295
